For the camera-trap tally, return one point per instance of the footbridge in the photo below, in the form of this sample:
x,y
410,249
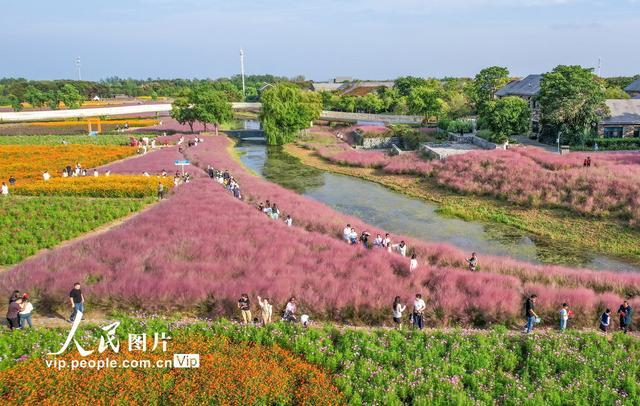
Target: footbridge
x,y
163,108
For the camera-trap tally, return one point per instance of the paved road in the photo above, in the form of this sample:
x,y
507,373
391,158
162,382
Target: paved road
x,y
524,140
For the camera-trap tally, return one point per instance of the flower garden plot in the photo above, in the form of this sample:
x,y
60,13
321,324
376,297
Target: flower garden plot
x,y
70,127
29,224
27,162
102,139
102,186
229,374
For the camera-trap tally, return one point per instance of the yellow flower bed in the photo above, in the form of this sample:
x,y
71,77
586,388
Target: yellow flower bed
x,y
27,162
101,186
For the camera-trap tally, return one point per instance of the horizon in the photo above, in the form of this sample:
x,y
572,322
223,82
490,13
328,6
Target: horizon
x,y
145,39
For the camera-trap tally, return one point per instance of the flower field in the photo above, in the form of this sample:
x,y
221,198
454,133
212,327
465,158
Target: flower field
x,y
70,127
229,374
58,219
153,162
102,186
27,162
193,266
247,365
529,177
102,139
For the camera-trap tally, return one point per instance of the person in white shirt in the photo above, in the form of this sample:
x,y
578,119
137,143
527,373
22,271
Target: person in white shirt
x,y
153,144
413,264
267,310
564,316
304,319
346,233
5,189
397,309
107,173
353,236
26,308
386,242
290,310
378,241
288,221
145,173
46,176
418,312
95,173
401,248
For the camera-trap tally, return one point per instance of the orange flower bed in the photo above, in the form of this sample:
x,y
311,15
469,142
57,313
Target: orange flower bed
x,y
229,374
101,186
27,162
145,122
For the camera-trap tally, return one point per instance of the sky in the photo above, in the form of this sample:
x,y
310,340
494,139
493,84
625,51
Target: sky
x,y
365,39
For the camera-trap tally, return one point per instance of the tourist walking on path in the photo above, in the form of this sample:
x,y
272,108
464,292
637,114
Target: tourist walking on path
x,y
267,310
245,308
14,296
25,312
625,311
386,243
564,316
378,241
5,189
288,221
473,262
160,191
413,264
76,298
605,320
530,313
418,312
398,309
13,314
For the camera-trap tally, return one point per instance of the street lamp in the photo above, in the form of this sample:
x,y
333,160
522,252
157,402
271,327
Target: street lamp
x,y
78,64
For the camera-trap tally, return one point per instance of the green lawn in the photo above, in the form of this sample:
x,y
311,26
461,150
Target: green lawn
x,y
108,139
29,224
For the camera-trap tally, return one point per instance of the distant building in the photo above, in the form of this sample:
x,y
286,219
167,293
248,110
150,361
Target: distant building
x,y
342,79
623,120
633,89
325,86
527,88
264,87
363,88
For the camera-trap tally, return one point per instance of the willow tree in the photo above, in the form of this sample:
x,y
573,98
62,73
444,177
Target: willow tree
x,y
287,110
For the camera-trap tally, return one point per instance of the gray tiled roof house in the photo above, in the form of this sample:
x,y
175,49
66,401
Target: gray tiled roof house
x,y
527,87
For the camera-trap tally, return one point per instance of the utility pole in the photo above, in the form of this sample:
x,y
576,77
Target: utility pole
x,y
599,67
78,64
242,72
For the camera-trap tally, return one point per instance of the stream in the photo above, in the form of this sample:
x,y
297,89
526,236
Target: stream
x,y
400,214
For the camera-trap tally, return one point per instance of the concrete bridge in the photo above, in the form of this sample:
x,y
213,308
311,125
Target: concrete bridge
x,y
165,108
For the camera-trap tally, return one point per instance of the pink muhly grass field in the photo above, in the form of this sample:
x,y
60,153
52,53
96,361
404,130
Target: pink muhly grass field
x,y
153,162
410,163
201,248
610,187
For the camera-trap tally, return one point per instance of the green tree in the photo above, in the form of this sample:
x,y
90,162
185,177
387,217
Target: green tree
x,y
428,101
572,101
35,97
615,93
404,85
183,112
286,110
211,107
485,85
70,96
16,105
370,103
508,116
347,103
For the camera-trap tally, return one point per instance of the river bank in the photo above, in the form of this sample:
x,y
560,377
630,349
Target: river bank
x,y
551,227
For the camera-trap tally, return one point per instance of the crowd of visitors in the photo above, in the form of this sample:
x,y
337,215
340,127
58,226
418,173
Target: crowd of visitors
x,y
266,311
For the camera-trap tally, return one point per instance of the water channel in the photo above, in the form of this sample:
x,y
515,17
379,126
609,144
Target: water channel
x,y
400,214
